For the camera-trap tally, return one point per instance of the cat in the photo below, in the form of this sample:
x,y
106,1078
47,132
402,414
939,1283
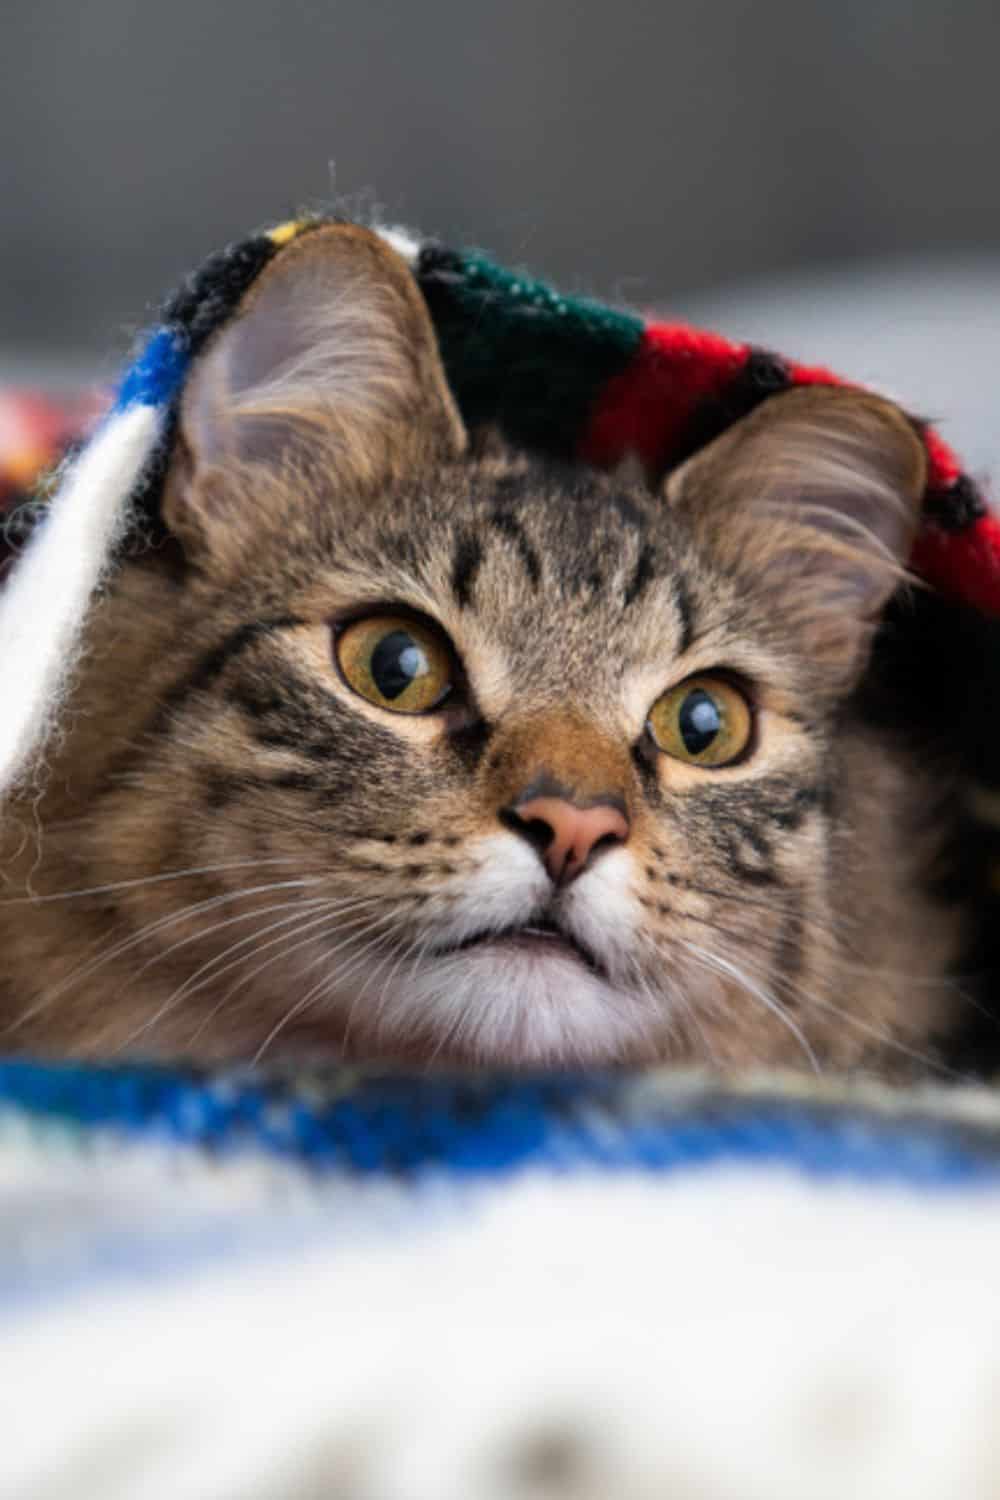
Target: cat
x,y
404,744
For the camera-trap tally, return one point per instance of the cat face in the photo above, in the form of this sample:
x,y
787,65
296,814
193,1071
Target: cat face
x,y
432,751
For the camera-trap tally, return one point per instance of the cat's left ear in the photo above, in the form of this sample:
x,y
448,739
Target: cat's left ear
x,y
330,358
815,499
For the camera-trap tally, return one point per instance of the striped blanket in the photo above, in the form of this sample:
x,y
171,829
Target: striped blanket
x,y
225,1286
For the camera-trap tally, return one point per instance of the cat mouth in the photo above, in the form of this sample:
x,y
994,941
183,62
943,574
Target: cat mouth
x,y
541,938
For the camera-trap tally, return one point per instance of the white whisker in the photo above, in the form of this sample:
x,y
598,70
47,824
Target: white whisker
x,y
328,983
729,970
87,970
296,909
332,917
144,880
328,911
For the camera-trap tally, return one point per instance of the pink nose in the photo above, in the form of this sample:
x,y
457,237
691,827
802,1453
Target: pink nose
x,y
567,836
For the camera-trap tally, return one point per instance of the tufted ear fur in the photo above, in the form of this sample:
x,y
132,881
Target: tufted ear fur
x,y
330,361
815,499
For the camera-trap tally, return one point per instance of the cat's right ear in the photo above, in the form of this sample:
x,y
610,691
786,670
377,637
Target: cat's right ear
x,y
330,359
815,500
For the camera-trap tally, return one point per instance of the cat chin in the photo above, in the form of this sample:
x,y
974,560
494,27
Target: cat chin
x,y
505,1005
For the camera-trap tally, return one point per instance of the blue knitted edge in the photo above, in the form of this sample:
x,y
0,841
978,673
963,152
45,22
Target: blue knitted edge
x,y
156,375
490,1125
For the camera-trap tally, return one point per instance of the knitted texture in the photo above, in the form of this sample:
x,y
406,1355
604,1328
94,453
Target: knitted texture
x,y
439,1288
484,1125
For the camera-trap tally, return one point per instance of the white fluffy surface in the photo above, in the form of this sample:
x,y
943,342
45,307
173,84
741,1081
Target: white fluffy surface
x,y
722,1335
402,241
44,603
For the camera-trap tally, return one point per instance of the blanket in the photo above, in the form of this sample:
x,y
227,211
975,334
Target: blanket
x,y
217,1287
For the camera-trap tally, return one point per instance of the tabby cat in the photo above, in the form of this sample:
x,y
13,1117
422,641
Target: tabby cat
x,y
404,744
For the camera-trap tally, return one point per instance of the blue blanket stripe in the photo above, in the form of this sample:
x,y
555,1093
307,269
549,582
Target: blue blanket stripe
x,y
488,1125
157,373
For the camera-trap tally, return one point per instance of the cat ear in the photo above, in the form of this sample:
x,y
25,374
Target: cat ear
x,y
331,358
815,499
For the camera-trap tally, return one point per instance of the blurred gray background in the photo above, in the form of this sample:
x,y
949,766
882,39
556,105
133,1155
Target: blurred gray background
x,y
820,176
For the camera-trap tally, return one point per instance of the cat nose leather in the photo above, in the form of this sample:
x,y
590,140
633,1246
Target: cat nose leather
x,y
567,836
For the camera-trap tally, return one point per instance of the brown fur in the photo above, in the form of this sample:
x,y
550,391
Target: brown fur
x,y
782,908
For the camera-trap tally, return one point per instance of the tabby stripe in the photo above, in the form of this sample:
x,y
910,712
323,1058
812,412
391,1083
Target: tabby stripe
x,y
758,875
685,611
642,574
291,738
222,787
792,815
214,662
294,781
201,676
508,525
469,743
465,567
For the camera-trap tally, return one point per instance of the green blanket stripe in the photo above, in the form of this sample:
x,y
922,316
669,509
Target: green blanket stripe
x,y
518,353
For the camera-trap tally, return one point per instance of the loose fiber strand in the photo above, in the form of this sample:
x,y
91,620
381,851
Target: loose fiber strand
x,y
44,603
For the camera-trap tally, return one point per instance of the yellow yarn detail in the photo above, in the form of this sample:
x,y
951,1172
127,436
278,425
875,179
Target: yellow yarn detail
x,y
285,232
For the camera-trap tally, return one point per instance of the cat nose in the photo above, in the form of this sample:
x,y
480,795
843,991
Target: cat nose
x,y
567,837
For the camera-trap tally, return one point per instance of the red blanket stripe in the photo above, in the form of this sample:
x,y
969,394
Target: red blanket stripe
x,y
650,407
963,564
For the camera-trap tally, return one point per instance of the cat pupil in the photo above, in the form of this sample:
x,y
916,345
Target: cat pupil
x,y
699,721
396,662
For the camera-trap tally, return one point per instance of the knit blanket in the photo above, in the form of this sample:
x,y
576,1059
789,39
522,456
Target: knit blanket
x,y
218,1287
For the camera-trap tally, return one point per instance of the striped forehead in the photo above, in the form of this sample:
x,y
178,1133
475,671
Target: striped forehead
x,y
545,532
558,569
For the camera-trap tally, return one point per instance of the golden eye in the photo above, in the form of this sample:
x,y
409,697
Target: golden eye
x,y
396,663
705,721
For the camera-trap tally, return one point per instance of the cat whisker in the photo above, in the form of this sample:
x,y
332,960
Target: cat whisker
x,y
325,986
147,880
415,958
730,970
401,956
319,990
333,916
291,939
797,991
87,970
689,1010
885,1038
328,904
413,955
297,910
869,1028
296,907
210,972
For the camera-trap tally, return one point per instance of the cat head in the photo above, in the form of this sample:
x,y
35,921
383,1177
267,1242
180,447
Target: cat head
x,y
468,755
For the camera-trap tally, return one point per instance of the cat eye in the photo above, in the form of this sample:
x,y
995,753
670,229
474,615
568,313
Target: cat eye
x,y
705,721
396,663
